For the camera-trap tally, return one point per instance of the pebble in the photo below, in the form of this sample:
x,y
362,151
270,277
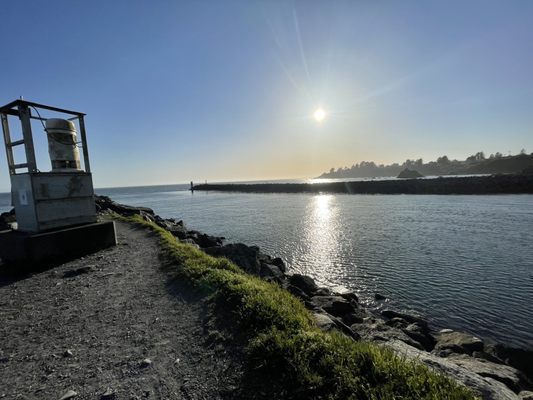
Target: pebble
x,y
108,394
146,363
379,297
68,395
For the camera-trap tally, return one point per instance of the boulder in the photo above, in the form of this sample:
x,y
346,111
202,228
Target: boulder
x,y
406,317
510,376
304,283
378,331
278,262
324,322
521,359
420,335
352,297
272,272
379,297
204,240
104,203
334,305
525,395
298,292
486,388
246,257
458,342
397,322
6,219
356,317
178,231
322,291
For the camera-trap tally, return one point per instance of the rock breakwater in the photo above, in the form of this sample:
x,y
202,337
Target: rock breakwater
x,y
493,370
494,184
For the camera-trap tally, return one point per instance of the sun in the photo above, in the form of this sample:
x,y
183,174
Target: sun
x,y
320,114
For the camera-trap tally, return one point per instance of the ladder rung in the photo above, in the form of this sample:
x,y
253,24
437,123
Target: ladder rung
x,y
16,143
15,166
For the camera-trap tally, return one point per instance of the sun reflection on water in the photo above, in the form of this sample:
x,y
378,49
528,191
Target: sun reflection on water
x,y
322,235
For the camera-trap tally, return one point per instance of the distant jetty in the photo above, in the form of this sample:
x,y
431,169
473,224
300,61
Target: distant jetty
x,y
494,184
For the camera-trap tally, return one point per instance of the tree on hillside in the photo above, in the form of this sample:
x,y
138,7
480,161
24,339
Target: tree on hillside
x,y
443,160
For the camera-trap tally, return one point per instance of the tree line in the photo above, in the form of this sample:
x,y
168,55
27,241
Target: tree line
x,y
477,163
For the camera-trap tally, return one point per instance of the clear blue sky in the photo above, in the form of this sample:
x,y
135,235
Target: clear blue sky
x,y
224,90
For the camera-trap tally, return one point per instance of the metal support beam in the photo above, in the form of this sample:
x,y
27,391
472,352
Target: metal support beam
x,y
24,114
84,143
9,144
18,166
17,143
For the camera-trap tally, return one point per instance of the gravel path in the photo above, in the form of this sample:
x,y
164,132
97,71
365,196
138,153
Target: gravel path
x,y
109,326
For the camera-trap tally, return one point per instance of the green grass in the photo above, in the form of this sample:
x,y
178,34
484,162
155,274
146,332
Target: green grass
x,y
287,356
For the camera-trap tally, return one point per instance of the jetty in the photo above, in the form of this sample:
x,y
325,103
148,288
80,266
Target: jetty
x,y
493,184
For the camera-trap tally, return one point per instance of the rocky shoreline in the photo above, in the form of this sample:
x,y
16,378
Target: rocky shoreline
x,y
493,184
495,371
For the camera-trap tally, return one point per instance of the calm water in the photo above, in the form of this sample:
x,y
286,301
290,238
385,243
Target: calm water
x,y
464,262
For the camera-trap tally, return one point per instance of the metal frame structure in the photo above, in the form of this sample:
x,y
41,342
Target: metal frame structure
x,y
22,110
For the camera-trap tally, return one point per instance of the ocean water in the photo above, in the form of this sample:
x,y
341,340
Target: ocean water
x,y
463,262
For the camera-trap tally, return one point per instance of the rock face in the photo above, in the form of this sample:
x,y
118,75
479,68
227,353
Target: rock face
x,y
409,174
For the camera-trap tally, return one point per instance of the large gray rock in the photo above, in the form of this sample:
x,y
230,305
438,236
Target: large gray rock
x,y
278,262
457,342
104,203
378,331
7,219
515,357
304,283
324,322
334,305
421,335
271,272
510,376
412,319
246,257
486,387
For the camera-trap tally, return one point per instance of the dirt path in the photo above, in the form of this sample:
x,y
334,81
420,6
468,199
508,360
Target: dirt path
x,y
116,327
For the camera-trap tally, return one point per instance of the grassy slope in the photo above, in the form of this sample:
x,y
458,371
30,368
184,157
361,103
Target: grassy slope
x,y
288,357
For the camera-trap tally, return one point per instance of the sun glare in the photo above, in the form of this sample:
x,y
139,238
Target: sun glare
x,y
320,114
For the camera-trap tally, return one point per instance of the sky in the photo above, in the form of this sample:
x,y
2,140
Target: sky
x,y
176,91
